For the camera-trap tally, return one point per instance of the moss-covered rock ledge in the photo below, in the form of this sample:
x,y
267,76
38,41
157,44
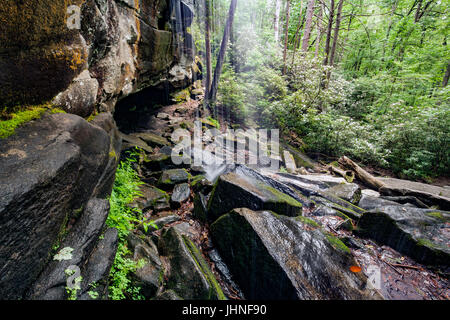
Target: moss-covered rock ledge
x,y
234,191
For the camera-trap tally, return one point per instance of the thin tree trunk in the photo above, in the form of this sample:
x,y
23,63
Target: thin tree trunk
x,y
307,33
336,32
300,25
208,47
329,29
277,20
319,30
419,6
391,22
297,33
446,76
222,52
286,35
335,40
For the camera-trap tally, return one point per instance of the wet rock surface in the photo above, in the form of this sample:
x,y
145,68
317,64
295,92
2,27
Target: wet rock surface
x,y
254,234
45,180
308,265
350,192
81,240
96,271
189,275
418,233
270,255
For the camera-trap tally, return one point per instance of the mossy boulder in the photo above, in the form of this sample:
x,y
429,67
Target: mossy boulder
x,y
152,139
157,161
347,191
145,253
274,257
338,204
151,197
169,178
189,275
161,223
21,117
131,142
419,233
234,191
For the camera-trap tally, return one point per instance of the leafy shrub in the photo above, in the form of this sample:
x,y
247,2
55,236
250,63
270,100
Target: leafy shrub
x,y
231,96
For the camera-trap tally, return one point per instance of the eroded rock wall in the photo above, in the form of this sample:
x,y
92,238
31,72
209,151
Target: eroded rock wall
x,y
87,54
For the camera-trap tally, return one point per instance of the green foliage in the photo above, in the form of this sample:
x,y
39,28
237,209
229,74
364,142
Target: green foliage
x,y
231,96
214,122
126,189
121,286
125,219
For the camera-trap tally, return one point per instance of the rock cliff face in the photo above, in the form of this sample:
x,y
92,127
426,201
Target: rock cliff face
x,y
87,54
49,171
57,172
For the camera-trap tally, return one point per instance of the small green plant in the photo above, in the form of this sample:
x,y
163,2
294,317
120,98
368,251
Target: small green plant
x,y
93,294
125,219
214,122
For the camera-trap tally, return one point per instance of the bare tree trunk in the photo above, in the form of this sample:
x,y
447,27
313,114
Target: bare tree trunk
x,y
446,76
277,20
329,29
222,52
300,24
307,33
319,30
286,35
297,33
208,47
336,32
419,6
335,40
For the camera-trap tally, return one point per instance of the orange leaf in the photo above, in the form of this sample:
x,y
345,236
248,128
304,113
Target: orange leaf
x,y
355,269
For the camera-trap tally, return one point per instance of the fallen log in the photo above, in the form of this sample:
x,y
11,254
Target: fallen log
x,y
361,174
347,175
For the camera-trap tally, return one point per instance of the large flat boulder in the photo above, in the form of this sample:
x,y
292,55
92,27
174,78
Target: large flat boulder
x,y
49,170
429,194
152,139
419,233
235,191
277,257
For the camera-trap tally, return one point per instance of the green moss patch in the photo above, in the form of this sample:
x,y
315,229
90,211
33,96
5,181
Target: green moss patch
x,y
308,221
281,196
336,243
436,215
18,118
